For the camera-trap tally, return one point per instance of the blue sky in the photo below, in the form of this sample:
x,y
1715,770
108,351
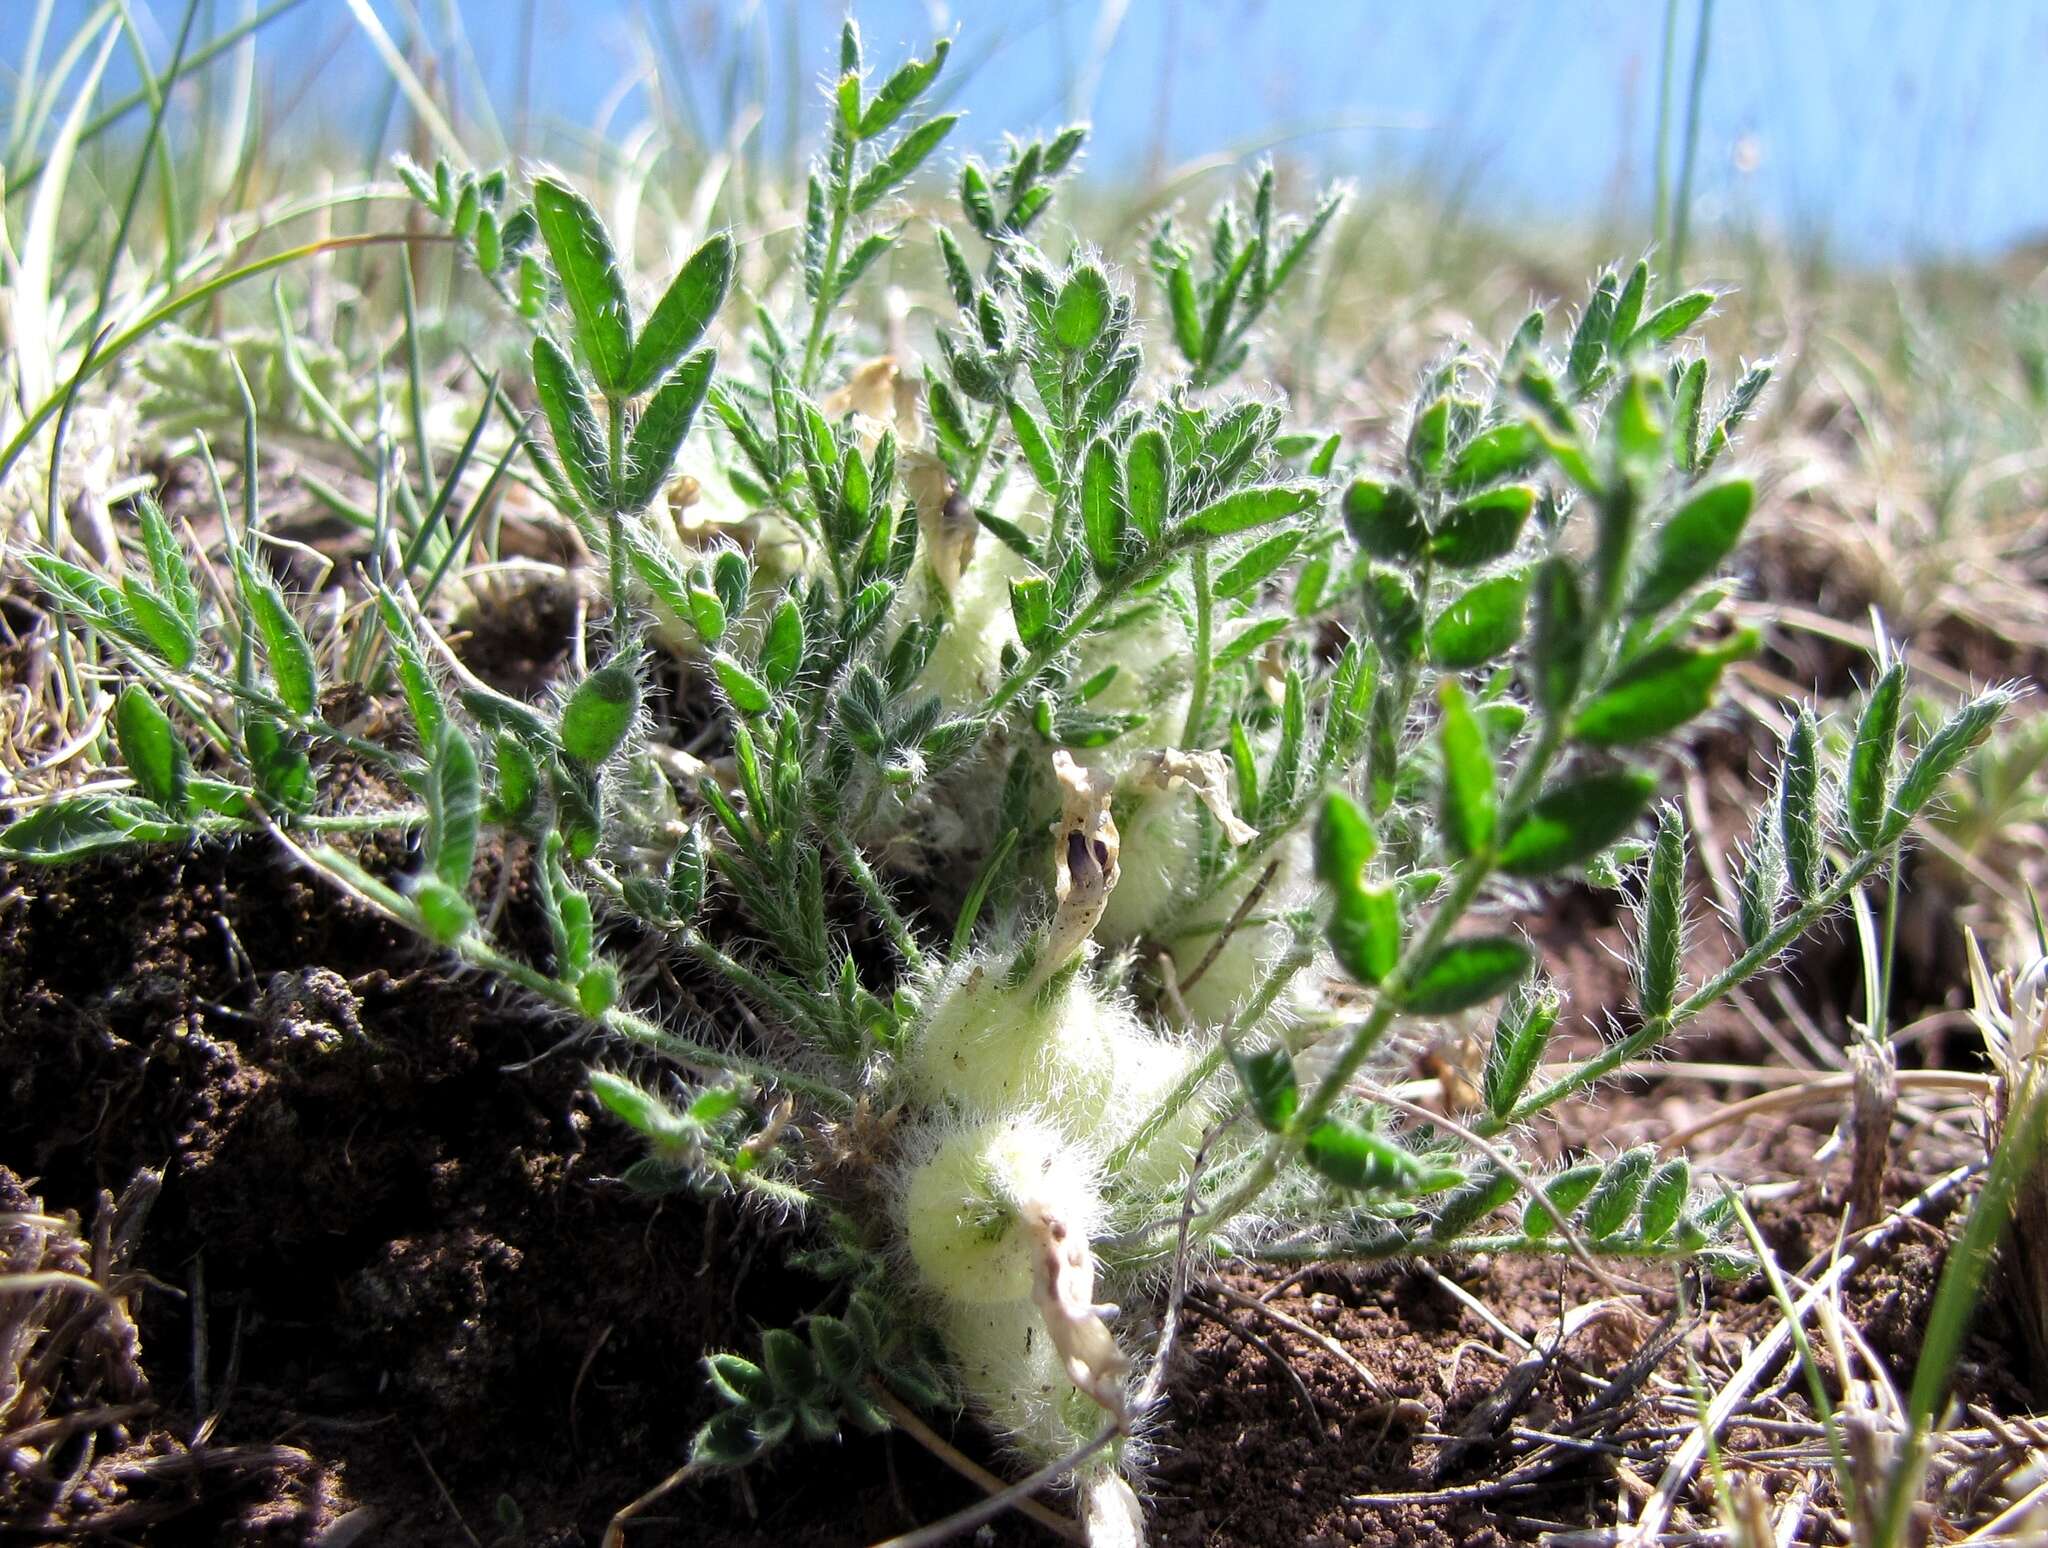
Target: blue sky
x,y
1892,128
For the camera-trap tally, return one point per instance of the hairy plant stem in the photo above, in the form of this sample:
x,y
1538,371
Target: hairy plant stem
x,y
821,312
900,934
479,952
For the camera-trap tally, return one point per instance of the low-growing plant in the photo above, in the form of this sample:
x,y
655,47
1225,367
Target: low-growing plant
x,y
1108,774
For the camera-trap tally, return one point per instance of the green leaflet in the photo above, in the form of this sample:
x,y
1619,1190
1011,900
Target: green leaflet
x,y
591,281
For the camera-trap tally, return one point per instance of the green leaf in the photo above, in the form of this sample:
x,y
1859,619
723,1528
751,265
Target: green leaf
x,y
1187,312
1249,508
1269,1082
1102,507
736,1380
1614,1202
1674,317
1468,810
285,646
152,749
1345,843
1037,450
1465,973
1520,1037
1385,520
1960,735
1148,480
1354,1157
1867,790
1574,821
902,89
167,632
1590,338
1664,1199
454,807
1660,949
1760,885
74,827
415,680
577,436
1628,308
1470,1202
591,281
1496,453
782,648
1691,545
1483,623
1658,693
600,712
284,774
168,567
1481,528
792,1369
1565,1192
897,168
1429,439
1248,640
725,1440
1245,573
1082,310
685,310
1365,920
660,432
1799,807
749,695
518,791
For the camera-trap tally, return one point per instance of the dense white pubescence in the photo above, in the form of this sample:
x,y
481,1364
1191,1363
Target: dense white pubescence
x,y
1026,1094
